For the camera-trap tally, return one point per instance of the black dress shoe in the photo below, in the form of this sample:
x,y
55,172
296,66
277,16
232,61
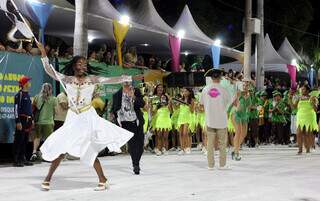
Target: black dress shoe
x,y
27,163
18,164
136,170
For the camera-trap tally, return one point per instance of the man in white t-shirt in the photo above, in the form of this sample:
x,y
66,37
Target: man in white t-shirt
x,y
216,100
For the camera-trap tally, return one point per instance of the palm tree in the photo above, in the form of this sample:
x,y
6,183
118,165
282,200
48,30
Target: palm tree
x,y
80,39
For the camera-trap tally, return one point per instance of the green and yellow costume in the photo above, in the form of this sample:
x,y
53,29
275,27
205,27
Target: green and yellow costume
x,y
185,116
242,114
162,119
306,116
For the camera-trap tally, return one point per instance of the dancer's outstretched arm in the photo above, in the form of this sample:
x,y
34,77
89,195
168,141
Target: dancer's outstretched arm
x,y
115,80
47,66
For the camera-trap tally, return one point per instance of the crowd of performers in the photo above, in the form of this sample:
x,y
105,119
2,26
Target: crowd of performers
x,y
168,122
177,122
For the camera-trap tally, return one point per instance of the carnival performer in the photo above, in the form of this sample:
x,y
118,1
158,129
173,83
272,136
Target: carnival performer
x,y
185,120
242,103
306,118
277,109
127,103
263,111
201,128
174,121
84,134
230,128
253,126
162,121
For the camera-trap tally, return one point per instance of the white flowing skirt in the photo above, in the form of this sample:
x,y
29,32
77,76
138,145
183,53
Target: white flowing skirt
x,y
84,136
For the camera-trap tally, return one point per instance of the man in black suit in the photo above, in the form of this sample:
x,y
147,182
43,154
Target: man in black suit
x,y
126,108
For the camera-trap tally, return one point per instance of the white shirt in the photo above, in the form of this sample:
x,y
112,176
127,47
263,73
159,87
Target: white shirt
x,y
215,105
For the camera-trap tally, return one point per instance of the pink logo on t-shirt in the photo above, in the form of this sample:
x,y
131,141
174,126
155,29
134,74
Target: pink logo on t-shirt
x,y
214,92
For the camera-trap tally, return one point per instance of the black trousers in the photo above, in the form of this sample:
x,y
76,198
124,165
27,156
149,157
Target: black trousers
x,y
253,132
136,143
278,133
21,139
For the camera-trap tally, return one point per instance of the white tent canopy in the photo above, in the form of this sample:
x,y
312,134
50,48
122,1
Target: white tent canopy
x,y
287,52
147,15
194,33
147,27
272,60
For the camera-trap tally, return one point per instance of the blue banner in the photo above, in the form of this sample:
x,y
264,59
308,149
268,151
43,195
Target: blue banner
x,y
42,12
12,67
311,77
215,49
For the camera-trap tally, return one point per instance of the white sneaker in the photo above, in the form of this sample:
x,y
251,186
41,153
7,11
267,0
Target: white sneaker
x,y
188,151
181,152
158,152
199,147
204,150
173,149
164,151
205,153
225,168
210,168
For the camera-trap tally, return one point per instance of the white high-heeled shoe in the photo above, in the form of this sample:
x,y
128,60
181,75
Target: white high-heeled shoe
x,y
45,186
102,186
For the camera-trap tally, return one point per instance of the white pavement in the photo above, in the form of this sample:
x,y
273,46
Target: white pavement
x,y
265,174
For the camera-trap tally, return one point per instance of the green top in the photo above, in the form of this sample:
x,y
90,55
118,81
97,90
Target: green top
x,y
278,113
46,115
253,111
242,113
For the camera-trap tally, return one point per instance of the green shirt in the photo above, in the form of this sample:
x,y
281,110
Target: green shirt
x,y
253,111
46,115
279,110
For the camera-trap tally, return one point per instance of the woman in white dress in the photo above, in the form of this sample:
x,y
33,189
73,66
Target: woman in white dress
x,y
84,134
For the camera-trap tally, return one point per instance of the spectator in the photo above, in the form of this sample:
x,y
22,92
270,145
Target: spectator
x,y
47,48
214,97
28,48
2,47
108,58
24,122
14,47
44,104
92,56
101,52
60,111
130,58
140,61
69,53
152,64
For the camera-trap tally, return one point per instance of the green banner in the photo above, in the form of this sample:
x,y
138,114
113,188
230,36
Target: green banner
x,y
12,67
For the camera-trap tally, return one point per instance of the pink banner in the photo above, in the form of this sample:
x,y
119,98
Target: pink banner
x,y
175,44
292,70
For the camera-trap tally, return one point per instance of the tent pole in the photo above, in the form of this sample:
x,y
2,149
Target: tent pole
x,y
260,47
247,40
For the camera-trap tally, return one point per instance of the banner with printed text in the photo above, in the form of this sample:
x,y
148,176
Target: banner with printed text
x,y
12,67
